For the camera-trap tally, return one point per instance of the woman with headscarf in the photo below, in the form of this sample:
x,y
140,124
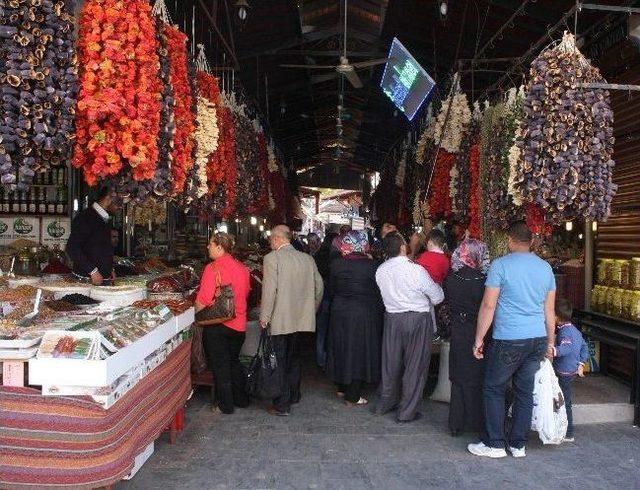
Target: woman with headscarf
x,y
464,288
355,330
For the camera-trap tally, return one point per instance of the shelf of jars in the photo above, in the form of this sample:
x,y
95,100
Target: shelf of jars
x,y
617,290
47,196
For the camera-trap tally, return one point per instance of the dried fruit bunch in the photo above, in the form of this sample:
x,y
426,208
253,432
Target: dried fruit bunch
x,y
38,85
206,137
273,161
439,200
452,122
566,137
182,155
261,200
460,185
118,116
516,103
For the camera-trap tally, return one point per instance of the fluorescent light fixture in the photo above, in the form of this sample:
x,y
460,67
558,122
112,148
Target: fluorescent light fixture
x,y
594,226
76,205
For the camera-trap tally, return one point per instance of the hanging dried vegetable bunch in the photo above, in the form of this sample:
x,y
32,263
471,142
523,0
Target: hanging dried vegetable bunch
x,y
497,132
566,137
439,199
474,191
150,211
402,170
206,137
182,155
224,200
119,103
453,120
248,179
514,153
460,184
38,84
261,200
124,185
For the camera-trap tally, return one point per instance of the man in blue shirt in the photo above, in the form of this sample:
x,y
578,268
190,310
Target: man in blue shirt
x,y
519,300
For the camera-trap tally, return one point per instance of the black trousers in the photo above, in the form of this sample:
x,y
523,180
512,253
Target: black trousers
x,y
352,391
565,383
222,346
287,351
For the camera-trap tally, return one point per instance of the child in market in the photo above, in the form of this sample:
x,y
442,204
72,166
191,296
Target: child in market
x,y
570,354
434,260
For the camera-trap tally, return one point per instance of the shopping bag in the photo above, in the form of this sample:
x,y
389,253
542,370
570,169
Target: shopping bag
x,y
198,357
265,376
549,417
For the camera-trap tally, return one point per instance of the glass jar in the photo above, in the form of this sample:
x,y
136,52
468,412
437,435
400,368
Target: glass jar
x,y
608,272
616,306
634,274
596,298
627,300
601,276
624,273
634,309
616,273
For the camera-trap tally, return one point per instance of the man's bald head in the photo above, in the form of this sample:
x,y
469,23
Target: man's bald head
x,y
281,231
280,235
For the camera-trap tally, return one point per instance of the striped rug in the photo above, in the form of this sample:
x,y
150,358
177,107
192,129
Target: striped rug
x,y
57,442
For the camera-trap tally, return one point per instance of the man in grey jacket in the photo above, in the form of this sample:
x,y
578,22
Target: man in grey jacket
x,y
291,293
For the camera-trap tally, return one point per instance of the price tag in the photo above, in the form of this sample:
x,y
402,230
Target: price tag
x,y
13,373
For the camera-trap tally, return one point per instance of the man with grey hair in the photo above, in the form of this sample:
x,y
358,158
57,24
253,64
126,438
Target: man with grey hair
x,y
291,293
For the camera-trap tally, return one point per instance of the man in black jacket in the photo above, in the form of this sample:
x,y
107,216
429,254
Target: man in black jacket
x,y
89,244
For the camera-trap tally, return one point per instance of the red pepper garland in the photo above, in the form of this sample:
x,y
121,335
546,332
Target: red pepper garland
x,y
182,154
119,103
536,220
227,155
474,203
261,201
439,198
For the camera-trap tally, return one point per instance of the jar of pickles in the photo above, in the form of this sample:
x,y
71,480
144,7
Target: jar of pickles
x,y
634,307
627,300
616,273
601,274
617,300
634,274
624,273
607,267
596,298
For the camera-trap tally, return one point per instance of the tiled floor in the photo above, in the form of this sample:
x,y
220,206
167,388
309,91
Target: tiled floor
x,y
325,445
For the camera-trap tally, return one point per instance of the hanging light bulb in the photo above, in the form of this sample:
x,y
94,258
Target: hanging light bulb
x,y
242,8
254,220
569,225
443,9
594,226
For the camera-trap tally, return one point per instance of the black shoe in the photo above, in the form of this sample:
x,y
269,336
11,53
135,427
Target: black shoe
x,y
418,416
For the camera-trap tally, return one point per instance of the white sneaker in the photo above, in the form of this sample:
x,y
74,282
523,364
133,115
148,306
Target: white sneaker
x,y
518,453
480,449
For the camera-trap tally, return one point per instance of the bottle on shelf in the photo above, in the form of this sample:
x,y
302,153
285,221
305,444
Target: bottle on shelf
x,y
51,203
15,202
33,207
65,201
6,202
42,201
23,202
2,197
59,201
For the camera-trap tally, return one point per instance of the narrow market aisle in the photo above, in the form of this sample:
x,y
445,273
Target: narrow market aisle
x,y
325,445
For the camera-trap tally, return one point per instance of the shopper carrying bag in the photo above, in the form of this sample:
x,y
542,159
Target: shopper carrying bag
x,y
264,377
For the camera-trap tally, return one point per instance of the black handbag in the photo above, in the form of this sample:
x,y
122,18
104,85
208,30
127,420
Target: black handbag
x,y
221,310
264,376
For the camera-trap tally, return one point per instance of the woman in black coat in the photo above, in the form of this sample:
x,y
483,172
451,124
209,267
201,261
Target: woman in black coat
x,y
355,330
464,288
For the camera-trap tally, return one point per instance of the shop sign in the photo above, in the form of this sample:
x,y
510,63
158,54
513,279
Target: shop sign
x,y
19,227
55,231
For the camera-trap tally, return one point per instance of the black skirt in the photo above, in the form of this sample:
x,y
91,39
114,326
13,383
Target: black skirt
x,y
355,340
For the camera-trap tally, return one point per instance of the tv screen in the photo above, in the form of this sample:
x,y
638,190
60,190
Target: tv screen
x,y
404,81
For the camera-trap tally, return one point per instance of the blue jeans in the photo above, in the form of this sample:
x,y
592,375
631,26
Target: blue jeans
x,y
516,360
565,383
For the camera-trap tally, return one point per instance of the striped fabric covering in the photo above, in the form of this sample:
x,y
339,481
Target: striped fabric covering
x,y
72,442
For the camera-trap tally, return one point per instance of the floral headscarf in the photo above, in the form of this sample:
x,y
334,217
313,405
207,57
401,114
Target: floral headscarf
x,y
472,253
353,242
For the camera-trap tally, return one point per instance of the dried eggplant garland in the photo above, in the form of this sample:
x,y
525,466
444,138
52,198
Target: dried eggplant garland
x,y
38,80
566,138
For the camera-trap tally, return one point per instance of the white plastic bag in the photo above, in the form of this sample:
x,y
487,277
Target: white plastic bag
x,y
549,417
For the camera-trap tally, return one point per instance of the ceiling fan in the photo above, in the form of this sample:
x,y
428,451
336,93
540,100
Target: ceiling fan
x,y
345,67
